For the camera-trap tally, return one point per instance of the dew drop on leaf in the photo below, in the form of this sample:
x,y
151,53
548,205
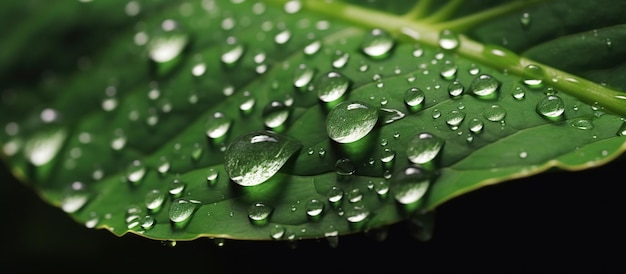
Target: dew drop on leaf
x,y
356,213
181,210
259,212
313,47
331,86
232,51
424,147
168,43
277,232
455,89
335,194
176,187
75,197
518,93
377,44
551,106
275,114
414,98
344,167
302,75
135,171
409,185
217,125
475,125
350,121
494,113
454,118
282,37
581,123
484,86
448,70
525,20
314,208
147,222
154,199
255,157
340,59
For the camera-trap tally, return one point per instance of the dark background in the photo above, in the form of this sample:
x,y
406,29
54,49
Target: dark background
x,y
553,222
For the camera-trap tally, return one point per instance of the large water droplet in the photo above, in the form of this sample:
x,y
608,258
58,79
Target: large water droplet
x,y
331,86
350,121
253,158
424,147
377,44
485,86
551,106
409,185
181,210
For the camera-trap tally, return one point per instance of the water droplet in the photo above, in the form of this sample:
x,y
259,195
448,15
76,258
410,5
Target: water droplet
x,y
181,210
622,130
414,98
448,70
354,195
350,121
154,199
582,123
476,125
340,59
277,232
344,167
381,188
163,165
282,37
43,147
212,175
247,102
518,93
356,213
275,114
387,155
232,51
176,187
494,113
259,213
314,208
167,45
533,76
75,197
485,86
302,75
217,125
525,20
377,44
454,118
409,185
119,140
551,106
424,147
448,40
313,47
331,86
254,157
335,194
135,172
147,222
455,89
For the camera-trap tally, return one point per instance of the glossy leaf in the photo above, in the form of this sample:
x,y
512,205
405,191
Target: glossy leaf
x,y
315,108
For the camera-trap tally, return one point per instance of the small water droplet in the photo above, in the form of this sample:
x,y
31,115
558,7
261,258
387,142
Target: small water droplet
x,y
494,113
275,114
217,125
165,46
354,195
350,121
414,98
533,76
551,106
313,47
147,222
259,213
76,196
277,232
424,147
335,194
331,86
344,167
448,70
282,37
356,213
485,86
212,175
340,59
303,75
448,40
314,208
164,165
518,93
476,125
154,199
181,210
135,171
254,157
455,89
176,187
525,20
409,184
582,123
377,44
454,118
232,51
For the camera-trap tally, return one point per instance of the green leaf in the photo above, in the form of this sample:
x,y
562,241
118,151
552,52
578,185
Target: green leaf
x,y
283,120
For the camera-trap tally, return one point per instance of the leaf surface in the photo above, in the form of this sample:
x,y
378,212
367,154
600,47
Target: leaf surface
x,y
134,137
